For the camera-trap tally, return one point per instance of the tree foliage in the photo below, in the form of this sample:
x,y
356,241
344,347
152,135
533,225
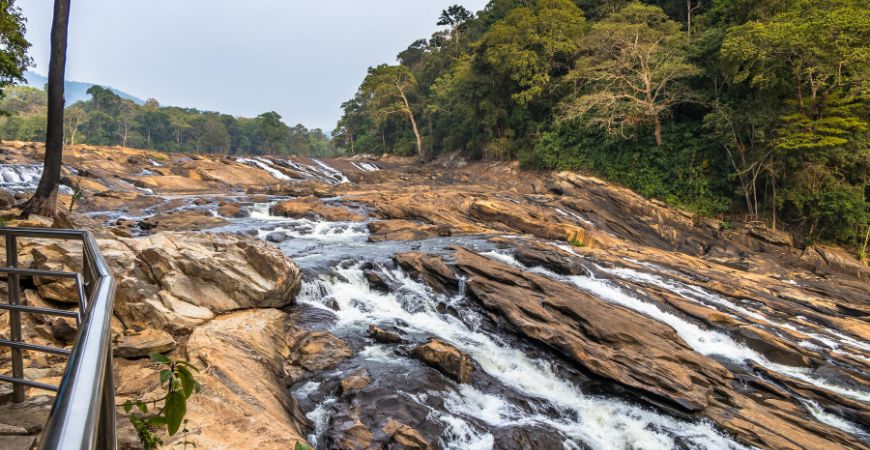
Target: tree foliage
x,y
108,119
749,108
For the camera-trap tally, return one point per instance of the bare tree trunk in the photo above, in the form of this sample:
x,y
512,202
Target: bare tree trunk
x,y
773,193
420,152
44,200
658,130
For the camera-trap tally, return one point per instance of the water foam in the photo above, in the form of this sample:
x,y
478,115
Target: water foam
x,y
596,421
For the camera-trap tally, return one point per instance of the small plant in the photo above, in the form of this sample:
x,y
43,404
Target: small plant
x,y
177,377
78,194
576,241
725,226
301,446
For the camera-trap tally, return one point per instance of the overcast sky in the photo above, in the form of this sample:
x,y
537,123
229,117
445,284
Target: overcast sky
x,y
301,58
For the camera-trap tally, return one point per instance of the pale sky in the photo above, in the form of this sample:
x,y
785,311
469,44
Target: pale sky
x,y
301,58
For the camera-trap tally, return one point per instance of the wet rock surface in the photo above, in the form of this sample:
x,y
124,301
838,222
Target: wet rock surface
x,y
461,306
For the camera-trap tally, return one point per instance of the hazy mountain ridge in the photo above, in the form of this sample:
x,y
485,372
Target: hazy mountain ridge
x,y
75,91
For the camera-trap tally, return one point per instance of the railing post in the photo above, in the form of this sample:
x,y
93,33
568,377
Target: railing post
x,y
14,287
106,439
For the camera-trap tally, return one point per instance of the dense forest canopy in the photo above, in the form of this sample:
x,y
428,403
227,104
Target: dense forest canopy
x,y
108,119
754,108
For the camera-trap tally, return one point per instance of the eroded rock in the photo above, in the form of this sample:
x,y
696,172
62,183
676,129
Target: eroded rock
x,y
446,358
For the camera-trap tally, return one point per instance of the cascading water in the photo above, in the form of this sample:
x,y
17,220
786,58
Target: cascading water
x,y
20,176
556,403
705,341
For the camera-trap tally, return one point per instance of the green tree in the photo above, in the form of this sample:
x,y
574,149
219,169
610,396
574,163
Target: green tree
x,y
533,45
388,87
13,45
630,70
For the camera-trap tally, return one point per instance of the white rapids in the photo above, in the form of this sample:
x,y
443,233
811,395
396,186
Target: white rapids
x,y
705,341
595,421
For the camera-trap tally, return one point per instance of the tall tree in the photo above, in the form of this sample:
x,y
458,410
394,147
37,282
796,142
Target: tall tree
x,y
13,46
630,70
389,88
44,200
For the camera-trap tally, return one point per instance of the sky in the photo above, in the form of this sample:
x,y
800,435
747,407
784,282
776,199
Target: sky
x,y
301,58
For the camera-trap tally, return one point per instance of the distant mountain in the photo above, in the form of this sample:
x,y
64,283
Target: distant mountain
x,y
74,90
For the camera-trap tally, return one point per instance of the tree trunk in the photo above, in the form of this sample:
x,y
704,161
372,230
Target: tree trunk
x,y
658,130
421,155
44,200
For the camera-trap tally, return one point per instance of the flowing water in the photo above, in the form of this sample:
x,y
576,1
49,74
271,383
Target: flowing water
x,y
520,395
519,388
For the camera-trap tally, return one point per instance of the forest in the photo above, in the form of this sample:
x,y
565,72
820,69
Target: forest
x,y
757,110
746,110
108,119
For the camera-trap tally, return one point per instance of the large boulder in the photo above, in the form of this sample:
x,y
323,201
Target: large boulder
x,y
313,208
241,358
178,280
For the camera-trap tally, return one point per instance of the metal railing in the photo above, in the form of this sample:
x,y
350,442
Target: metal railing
x,y
83,415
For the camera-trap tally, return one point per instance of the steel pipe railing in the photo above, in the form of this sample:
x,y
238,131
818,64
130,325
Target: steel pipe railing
x,y
83,415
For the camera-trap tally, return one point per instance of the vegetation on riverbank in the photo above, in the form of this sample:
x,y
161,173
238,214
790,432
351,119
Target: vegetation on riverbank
x,y
752,108
108,119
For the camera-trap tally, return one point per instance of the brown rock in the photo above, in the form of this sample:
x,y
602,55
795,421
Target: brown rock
x,y
383,336
404,230
143,342
312,208
355,381
319,350
228,209
406,436
446,358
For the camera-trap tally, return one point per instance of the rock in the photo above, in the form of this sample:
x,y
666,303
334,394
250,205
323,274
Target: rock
x,y
174,281
312,208
431,268
277,237
6,430
406,436
347,432
228,209
5,393
29,416
63,331
355,381
376,280
319,350
405,230
383,336
7,199
446,358
17,442
772,236
184,220
144,342
243,402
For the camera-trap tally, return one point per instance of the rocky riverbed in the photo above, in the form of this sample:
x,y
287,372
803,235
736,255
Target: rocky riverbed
x,y
373,303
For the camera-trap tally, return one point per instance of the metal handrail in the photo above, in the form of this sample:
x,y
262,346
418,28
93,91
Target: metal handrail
x,y
83,415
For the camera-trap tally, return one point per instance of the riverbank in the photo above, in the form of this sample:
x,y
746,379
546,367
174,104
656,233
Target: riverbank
x,y
464,305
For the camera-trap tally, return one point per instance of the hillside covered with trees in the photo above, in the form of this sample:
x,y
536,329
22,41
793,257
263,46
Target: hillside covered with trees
x,y
108,119
758,109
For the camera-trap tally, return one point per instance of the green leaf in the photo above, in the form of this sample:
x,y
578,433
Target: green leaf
x,y
164,375
128,406
174,411
143,407
188,365
157,357
187,381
